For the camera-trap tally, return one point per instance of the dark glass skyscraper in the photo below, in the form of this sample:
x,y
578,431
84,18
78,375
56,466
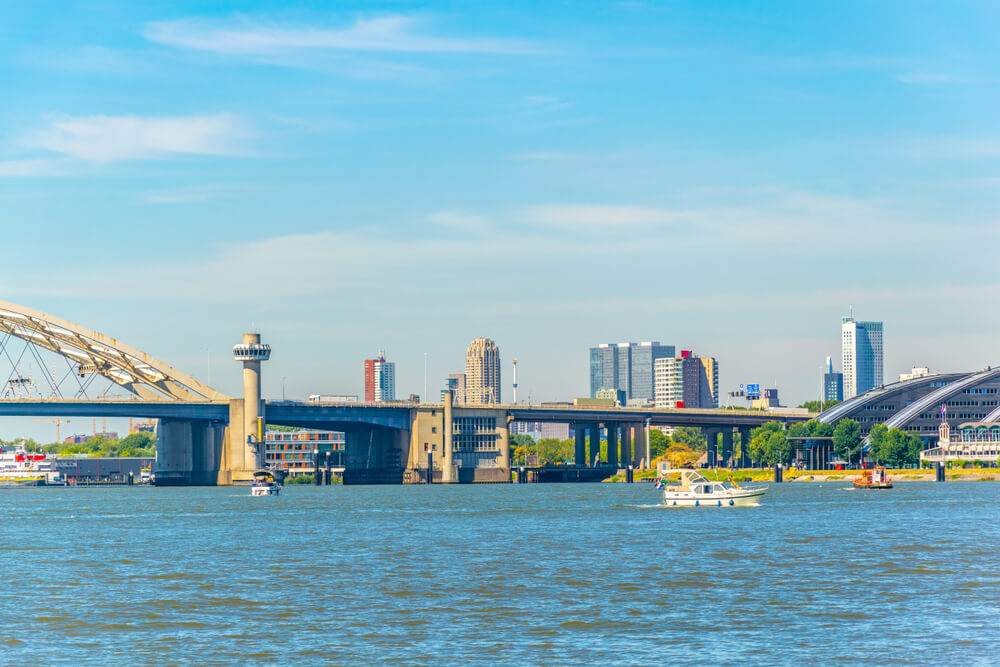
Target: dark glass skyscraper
x,y
627,367
833,383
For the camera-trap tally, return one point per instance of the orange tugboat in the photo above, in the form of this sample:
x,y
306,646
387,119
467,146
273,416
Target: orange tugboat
x,y
873,479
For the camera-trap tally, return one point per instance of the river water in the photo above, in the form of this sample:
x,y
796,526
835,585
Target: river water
x,y
554,574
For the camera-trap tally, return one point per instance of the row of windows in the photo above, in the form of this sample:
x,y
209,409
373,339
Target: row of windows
x,y
469,425
303,435
469,442
327,446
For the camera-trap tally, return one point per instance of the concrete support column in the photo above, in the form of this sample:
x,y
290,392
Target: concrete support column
x,y
712,435
174,456
612,445
727,447
640,445
447,463
594,456
503,428
580,453
745,446
626,445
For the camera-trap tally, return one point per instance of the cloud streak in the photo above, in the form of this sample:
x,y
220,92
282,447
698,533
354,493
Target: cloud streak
x,y
597,216
384,34
30,168
104,139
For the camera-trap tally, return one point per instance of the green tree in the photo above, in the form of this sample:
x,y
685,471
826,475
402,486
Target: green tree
x,y
915,447
521,455
814,406
877,437
778,449
769,444
551,450
690,436
658,442
895,448
847,438
142,443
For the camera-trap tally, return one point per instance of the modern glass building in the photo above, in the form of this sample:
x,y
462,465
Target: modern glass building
x,y
833,383
626,367
861,353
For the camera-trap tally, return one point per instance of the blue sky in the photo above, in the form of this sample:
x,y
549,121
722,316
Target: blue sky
x,y
725,177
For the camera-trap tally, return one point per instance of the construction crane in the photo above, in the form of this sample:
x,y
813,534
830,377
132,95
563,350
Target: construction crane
x,y
57,422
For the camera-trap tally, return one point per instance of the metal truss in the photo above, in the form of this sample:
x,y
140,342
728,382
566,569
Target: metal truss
x,y
89,354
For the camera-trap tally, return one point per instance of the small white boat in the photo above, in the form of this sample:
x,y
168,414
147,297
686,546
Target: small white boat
x,y
694,490
264,484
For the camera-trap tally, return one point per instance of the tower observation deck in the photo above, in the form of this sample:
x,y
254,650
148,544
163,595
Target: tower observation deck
x,y
251,352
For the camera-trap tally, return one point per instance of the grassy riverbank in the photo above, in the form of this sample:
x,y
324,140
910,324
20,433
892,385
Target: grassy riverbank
x,y
900,475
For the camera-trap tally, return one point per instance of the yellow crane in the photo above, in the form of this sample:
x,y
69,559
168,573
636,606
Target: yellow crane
x,y
57,422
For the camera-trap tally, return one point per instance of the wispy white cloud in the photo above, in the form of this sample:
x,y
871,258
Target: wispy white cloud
x,y
388,33
103,139
954,148
188,195
546,102
31,168
937,78
461,221
543,156
599,216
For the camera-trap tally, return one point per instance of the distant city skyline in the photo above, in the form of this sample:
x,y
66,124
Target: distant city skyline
x,y
549,175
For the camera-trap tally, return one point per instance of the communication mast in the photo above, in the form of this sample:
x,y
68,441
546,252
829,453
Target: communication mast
x,y
515,381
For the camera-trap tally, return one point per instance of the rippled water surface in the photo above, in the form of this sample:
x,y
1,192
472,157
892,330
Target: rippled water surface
x,y
555,574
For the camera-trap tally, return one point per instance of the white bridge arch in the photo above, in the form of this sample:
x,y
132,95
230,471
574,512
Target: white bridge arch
x,y
135,371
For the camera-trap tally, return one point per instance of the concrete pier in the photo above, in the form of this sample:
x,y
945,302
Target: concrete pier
x,y
594,454
727,447
612,445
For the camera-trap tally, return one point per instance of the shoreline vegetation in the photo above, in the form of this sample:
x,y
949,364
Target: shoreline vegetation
x,y
791,475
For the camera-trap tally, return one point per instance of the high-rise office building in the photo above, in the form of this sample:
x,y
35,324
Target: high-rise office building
x,y
833,383
455,383
482,373
380,379
686,381
627,367
861,352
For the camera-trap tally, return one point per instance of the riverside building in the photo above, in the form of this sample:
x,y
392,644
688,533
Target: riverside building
x,y
971,441
482,373
861,353
294,451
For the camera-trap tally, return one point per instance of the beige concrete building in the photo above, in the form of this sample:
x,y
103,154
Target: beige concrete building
x,y
482,373
686,381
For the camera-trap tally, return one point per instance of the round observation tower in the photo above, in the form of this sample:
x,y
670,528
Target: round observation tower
x,y
251,352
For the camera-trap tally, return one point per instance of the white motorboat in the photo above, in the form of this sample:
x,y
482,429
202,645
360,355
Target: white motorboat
x,y
694,490
264,484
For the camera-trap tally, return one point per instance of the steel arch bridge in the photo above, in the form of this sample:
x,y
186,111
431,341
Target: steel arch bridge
x,y
91,353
